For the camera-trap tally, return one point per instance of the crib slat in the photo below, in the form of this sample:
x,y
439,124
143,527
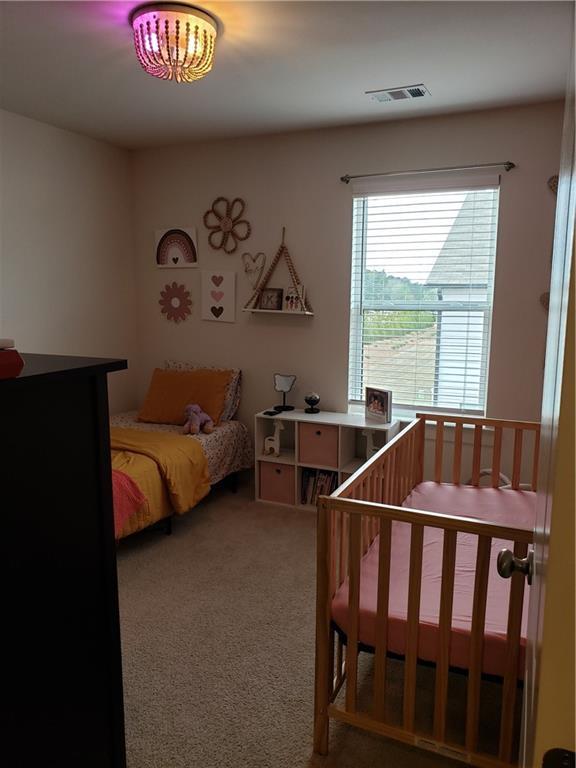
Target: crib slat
x,y
457,464
353,608
333,552
512,653
535,460
408,467
421,434
395,474
439,451
398,472
405,470
414,470
412,622
341,547
384,553
403,449
391,474
372,486
444,634
517,466
477,455
412,466
345,524
386,480
323,633
477,641
496,457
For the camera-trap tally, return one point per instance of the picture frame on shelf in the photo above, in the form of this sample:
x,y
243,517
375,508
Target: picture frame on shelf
x,y
378,404
271,298
292,301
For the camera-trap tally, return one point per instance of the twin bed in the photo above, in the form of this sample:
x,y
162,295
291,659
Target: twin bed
x,y
173,472
407,568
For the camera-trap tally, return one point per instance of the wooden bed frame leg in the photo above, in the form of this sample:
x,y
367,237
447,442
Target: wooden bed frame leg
x,y
232,482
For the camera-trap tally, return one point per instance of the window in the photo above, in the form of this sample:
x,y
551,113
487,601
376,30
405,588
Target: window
x,y
422,285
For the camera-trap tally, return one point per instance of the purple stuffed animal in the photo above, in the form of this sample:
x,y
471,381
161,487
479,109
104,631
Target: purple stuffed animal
x,y
197,421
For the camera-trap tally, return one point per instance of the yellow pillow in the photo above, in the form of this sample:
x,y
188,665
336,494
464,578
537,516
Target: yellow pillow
x,y
171,391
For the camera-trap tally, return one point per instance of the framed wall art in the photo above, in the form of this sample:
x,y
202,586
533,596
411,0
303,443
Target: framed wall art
x,y
293,299
176,248
219,296
271,298
175,302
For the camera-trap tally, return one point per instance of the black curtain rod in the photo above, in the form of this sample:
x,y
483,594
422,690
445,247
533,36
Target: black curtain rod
x,y
507,167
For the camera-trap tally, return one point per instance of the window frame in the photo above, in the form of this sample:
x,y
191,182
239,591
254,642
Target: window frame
x,y
377,187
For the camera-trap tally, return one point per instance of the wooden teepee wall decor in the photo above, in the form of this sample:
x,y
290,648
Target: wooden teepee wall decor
x,y
253,302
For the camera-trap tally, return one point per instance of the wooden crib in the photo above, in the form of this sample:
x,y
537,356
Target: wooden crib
x,y
356,532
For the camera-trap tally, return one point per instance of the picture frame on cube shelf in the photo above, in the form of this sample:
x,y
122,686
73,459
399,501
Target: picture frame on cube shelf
x,y
378,404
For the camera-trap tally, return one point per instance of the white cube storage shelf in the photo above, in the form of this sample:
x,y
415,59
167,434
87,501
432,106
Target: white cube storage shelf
x,y
323,442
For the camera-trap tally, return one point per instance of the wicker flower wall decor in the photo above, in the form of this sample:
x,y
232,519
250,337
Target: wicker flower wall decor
x,y
226,225
175,302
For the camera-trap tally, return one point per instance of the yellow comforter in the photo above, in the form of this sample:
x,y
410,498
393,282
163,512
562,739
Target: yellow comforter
x,y
170,470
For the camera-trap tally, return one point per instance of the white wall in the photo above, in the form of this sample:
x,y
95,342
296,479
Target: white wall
x,y
293,180
67,270
67,282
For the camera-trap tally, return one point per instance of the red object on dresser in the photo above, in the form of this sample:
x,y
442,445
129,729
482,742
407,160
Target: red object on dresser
x,y
11,364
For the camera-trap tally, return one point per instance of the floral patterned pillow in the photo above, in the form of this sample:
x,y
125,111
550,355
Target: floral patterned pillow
x,y
232,398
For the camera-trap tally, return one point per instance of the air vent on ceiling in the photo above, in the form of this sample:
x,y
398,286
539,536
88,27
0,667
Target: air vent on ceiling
x,y
402,93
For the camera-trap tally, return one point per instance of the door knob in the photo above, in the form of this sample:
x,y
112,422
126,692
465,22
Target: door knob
x,y
507,564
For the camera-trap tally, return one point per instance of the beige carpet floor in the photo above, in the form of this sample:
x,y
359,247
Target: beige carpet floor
x,y
218,645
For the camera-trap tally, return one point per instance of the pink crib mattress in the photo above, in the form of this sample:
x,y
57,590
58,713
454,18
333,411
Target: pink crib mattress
x,y
513,508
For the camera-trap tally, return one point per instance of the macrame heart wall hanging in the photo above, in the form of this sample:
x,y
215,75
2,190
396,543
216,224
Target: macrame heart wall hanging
x,y
253,267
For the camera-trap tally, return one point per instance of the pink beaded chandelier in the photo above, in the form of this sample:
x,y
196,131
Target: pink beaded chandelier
x,y
174,41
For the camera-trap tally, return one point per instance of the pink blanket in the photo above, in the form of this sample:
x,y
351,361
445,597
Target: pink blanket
x,y
128,499
514,508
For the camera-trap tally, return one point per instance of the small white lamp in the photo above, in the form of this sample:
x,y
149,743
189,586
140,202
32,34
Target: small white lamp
x,y
283,383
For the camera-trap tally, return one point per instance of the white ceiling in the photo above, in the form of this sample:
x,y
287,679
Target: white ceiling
x,y
279,65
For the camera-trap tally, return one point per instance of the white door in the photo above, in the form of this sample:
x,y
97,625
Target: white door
x,y
555,513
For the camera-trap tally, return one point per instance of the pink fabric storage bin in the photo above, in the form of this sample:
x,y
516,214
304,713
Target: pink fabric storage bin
x,y
318,445
277,482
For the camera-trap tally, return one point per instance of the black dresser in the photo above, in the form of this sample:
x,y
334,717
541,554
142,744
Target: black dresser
x,y
61,673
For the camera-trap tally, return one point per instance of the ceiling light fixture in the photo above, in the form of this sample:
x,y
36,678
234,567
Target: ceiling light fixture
x,y
174,41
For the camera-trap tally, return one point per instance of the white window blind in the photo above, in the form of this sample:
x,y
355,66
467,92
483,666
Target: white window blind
x,y
422,286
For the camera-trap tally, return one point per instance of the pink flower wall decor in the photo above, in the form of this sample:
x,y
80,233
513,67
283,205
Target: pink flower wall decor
x,y
175,302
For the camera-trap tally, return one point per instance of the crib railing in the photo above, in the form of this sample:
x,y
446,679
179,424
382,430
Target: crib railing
x,y
501,432
365,506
